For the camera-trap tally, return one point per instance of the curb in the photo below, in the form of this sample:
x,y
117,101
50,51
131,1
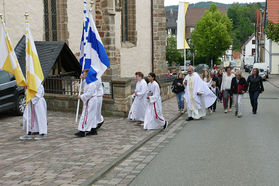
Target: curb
x,y
123,156
272,83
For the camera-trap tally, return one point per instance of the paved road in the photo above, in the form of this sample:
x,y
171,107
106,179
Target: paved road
x,y
222,149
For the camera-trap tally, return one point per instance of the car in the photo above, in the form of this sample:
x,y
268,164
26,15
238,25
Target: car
x,y
200,68
11,96
263,66
262,73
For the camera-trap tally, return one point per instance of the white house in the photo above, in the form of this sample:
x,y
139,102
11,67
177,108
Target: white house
x,y
249,48
271,55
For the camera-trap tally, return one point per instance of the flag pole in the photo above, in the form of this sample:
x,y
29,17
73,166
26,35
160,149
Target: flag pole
x,y
26,106
184,59
80,85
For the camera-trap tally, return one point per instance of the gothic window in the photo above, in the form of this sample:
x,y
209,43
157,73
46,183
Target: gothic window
x,y
50,21
129,33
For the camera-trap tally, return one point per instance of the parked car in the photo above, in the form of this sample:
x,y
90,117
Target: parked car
x,y
11,96
200,68
262,73
263,66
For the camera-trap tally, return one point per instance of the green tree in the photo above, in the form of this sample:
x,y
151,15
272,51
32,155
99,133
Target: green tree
x,y
211,37
272,31
243,18
173,55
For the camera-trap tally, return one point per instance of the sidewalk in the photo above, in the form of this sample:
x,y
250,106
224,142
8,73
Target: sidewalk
x,y
274,80
62,159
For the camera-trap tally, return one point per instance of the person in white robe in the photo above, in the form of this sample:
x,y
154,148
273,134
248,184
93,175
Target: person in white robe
x,y
153,114
137,111
197,95
88,122
36,116
100,94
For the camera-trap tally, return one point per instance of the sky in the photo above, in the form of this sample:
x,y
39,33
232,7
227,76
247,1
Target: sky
x,y
175,2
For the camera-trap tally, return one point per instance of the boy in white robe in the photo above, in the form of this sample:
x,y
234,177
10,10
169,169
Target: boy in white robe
x,y
37,116
137,111
153,114
197,95
100,94
88,117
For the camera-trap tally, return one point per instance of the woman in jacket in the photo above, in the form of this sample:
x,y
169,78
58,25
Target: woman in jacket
x,y
238,88
178,89
255,84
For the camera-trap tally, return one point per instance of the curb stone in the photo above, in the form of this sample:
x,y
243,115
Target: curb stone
x,y
107,168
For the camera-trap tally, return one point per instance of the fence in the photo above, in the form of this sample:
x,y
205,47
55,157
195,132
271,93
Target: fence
x,y
69,86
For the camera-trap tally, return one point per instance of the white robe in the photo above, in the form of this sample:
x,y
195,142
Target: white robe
x,y
100,94
197,104
37,113
137,111
153,114
89,98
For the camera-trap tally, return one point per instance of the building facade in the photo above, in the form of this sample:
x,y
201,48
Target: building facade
x,y
133,31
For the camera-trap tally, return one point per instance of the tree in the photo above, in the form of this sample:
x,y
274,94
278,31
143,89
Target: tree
x,y
243,18
272,31
173,55
211,37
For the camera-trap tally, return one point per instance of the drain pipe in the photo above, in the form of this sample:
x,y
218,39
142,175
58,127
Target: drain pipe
x,y
152,38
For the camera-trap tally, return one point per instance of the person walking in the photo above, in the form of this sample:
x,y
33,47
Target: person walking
x,y
219,77
226,89
137,111
255,84
178,89
206,77
238,88
216,91
153,114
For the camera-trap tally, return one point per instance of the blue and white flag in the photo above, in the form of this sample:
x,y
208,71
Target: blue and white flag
x,y
92,51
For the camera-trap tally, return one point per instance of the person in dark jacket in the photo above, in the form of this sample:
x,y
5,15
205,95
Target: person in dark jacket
x,y
238,87
178,89
255,84
220,76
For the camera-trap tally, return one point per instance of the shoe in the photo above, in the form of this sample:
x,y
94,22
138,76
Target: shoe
x,y
240,116
214,110
189,119
93,132
254,112
226,111
166,125
26,137
99,125
236,112
230,110
40,137
80,134
210,111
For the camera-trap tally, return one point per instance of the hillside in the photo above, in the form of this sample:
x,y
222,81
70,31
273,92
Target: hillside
x,y
207,4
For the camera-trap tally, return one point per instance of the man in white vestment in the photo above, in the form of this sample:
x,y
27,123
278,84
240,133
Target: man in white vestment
x,y
137,111
37,116
197,95
88,122
100,94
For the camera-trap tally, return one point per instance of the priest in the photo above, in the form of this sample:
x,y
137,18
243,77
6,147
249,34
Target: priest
x,y
197,95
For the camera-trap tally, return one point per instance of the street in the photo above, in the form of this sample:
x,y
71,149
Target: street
x,y
222,149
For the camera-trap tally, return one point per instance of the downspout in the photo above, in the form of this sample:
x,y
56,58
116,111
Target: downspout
x,y
152,38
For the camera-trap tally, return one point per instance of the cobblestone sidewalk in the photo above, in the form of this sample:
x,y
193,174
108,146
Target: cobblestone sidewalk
x,y
62,159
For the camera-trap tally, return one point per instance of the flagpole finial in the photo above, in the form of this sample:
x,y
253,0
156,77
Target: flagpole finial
x,y
1,17
26,16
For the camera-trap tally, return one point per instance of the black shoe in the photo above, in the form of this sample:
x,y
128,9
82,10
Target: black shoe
x,y
166,125
93,132
189,119
80,134
99,125
235,113
254,112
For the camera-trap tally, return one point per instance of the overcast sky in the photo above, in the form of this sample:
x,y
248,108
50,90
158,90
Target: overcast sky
x,y
175,2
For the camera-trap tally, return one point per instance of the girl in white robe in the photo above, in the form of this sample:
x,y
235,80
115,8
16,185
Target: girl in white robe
x,y
88,119
37,116
153,115
138,108
100,94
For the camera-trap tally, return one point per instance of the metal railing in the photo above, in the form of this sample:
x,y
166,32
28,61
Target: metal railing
x,y
67,85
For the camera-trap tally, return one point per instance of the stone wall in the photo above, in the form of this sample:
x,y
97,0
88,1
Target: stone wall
x,y
159,37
